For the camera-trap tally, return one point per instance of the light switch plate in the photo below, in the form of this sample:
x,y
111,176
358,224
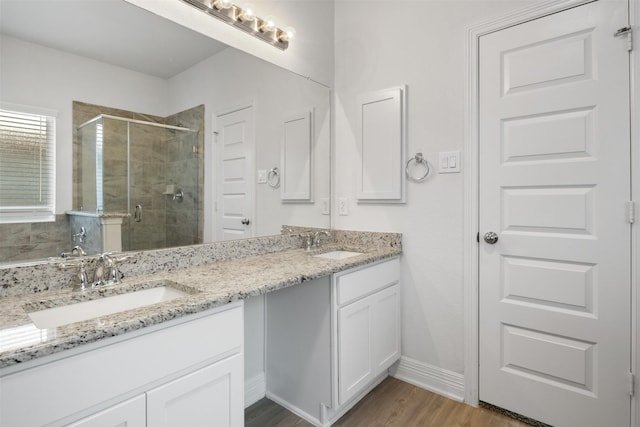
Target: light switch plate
x,y
449,162
262,176
326,206
343,206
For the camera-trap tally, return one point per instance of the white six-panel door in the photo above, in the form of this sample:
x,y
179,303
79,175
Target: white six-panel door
x,y
234,152
554,179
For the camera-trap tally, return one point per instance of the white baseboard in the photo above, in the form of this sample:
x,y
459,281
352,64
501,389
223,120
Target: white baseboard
x,y
255,388
441,381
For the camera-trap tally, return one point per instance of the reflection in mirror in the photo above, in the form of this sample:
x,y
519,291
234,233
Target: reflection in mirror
x,y
156,68
147,172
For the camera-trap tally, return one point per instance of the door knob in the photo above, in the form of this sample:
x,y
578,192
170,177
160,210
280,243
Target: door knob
x,y
490,237
245,221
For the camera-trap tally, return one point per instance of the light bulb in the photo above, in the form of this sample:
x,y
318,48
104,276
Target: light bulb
x,y
287,34
268,24
247,13
221,4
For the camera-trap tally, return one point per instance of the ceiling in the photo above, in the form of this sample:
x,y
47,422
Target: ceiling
x,y
111,31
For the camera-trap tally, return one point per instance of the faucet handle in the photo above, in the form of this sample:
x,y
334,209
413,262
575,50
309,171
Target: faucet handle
x,y
82,273
76,252
123,258
316,236
287,230
307,240
111,262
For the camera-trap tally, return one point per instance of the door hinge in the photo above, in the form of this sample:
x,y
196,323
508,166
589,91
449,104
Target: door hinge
x,y
631,212
632,384
626,31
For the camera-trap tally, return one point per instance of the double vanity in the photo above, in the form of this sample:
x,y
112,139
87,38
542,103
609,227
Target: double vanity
x,y
166,345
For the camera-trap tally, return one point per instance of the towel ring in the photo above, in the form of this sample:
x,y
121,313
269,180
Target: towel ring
x,y
273,178
418,159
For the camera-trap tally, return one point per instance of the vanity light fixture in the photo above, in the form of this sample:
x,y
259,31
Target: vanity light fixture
x,y
268,24
246,13
244,18
221,4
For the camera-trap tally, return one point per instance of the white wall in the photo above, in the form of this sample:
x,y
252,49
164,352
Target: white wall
x,y
421,44
38,76
309,54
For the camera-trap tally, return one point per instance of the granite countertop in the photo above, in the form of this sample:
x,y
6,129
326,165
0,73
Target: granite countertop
x,y
207,286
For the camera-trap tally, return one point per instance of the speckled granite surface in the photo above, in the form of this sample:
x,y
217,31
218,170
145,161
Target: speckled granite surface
x,y
45,276
212,275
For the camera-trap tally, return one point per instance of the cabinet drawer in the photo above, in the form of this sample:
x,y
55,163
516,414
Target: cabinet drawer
x,y
210,396
131,413
353,285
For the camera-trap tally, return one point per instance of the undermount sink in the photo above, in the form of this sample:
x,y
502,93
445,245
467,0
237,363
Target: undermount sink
x,y
338,254
57,316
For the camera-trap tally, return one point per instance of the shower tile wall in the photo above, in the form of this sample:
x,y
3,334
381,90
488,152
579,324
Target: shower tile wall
x,y
83,112
93,240
114,166
185,220
158,158
30,241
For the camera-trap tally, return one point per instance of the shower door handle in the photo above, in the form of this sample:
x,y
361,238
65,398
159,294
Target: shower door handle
x,y
137,214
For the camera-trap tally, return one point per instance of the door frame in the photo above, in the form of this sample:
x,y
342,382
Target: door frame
x,y
471,190
215,188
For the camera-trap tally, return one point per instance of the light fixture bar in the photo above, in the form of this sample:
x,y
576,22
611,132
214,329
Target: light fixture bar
x,y
239,18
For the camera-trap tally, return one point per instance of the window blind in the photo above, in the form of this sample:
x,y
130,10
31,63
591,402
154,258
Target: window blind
x,y
27,166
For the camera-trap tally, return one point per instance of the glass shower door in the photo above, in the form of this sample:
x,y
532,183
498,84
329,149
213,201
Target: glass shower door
x,y
147,183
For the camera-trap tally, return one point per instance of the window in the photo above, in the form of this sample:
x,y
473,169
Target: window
x,y
27,164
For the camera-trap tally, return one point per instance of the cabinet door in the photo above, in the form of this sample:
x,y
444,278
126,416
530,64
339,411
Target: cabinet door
x,y
382,142
130,413
386,328
355,348
211,396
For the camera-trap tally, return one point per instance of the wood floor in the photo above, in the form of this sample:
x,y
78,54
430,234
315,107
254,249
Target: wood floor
x,y
392,403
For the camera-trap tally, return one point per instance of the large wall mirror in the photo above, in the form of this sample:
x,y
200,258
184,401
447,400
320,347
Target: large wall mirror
x,y
217,127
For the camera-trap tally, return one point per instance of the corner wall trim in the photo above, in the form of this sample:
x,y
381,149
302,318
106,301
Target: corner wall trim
x,y
254,389
441,381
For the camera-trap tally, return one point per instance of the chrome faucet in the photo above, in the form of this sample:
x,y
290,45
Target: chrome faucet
x,y
82,275
112,274
77,251
106,271
307,241
316,237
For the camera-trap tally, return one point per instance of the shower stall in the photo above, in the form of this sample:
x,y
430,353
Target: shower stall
x,y
147,172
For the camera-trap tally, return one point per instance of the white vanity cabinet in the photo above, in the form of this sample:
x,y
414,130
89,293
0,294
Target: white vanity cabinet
x,y
204,397
330,340
188,371
367,310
